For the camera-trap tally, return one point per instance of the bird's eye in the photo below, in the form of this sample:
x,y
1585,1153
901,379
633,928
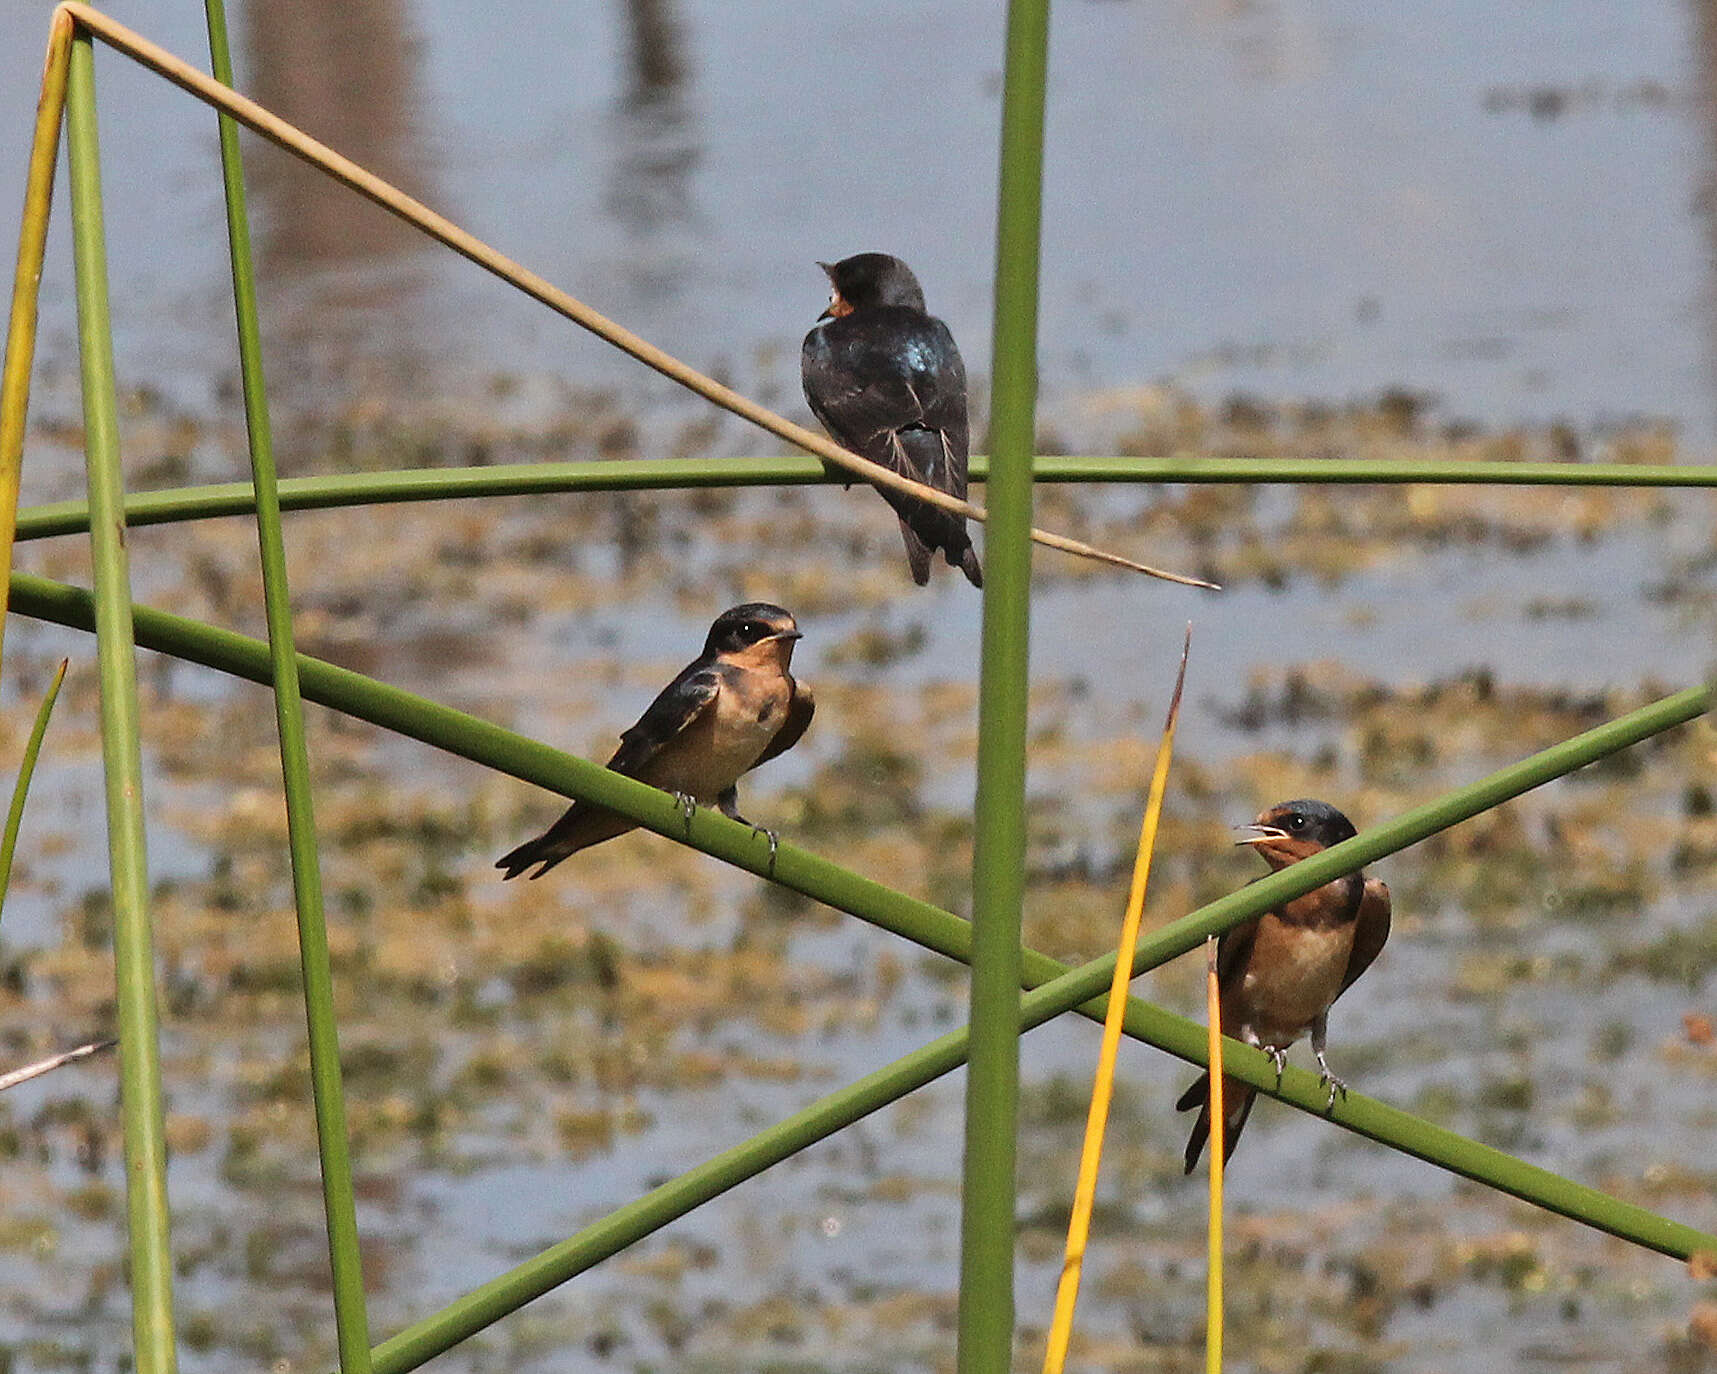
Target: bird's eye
x,y
754,630
1296,822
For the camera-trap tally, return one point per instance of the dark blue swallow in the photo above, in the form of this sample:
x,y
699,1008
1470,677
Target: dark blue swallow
x,y
1278,974
733,708
887,382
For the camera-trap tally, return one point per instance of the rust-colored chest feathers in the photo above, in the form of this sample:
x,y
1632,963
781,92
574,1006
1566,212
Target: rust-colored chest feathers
x,y
1296,964
727,739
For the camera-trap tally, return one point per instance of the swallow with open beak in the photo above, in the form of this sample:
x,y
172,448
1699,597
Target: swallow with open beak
x,y
1278,973
887,382
734,707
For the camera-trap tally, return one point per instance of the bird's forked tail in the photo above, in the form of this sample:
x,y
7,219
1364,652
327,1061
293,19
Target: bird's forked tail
x,y
1237,1099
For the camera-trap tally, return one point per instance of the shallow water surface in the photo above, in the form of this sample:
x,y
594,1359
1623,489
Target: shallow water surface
x,y
1504,209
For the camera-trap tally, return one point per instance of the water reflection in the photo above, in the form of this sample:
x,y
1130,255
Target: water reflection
x,y
655,64
344,274
1703,34
656,149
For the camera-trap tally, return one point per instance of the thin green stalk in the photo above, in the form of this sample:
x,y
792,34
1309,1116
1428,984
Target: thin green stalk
x,y
672,474
987,1194
661,1206
1075,989
1411,1135
337,490
26,771
151,1268
351,1321
632,1222
444,231
480,741
1390,471
1420,823
396,202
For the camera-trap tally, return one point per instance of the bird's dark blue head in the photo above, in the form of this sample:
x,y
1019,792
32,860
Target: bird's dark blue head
x,y
1294,830
868,279
752,623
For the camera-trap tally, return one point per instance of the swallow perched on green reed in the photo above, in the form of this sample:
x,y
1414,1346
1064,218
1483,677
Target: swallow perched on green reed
x,y
887,382
1278,973
735,706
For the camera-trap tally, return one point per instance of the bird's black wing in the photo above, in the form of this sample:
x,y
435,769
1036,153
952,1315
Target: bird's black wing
x,y
1234,952
861,390
1370,931
940,387
799,712
680,703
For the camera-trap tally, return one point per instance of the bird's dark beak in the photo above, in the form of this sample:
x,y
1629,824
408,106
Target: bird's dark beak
x,y
1260,833
789,634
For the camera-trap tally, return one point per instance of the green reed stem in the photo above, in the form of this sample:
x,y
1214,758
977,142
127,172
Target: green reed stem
x,y
26,771
1077,989
986,1309
1390,471
987,1193
456,732
628,1224
350,1319
151,1268
672,474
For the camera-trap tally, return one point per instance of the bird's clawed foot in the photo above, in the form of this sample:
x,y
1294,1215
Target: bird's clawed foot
x,y
1330,1081
687,804
728,803
1278,1057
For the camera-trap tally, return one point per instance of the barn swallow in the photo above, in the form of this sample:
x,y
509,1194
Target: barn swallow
x,y
1278,973
734,707
887,382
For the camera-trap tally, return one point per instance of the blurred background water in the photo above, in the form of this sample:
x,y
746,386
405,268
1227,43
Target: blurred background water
x,y
1506,209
